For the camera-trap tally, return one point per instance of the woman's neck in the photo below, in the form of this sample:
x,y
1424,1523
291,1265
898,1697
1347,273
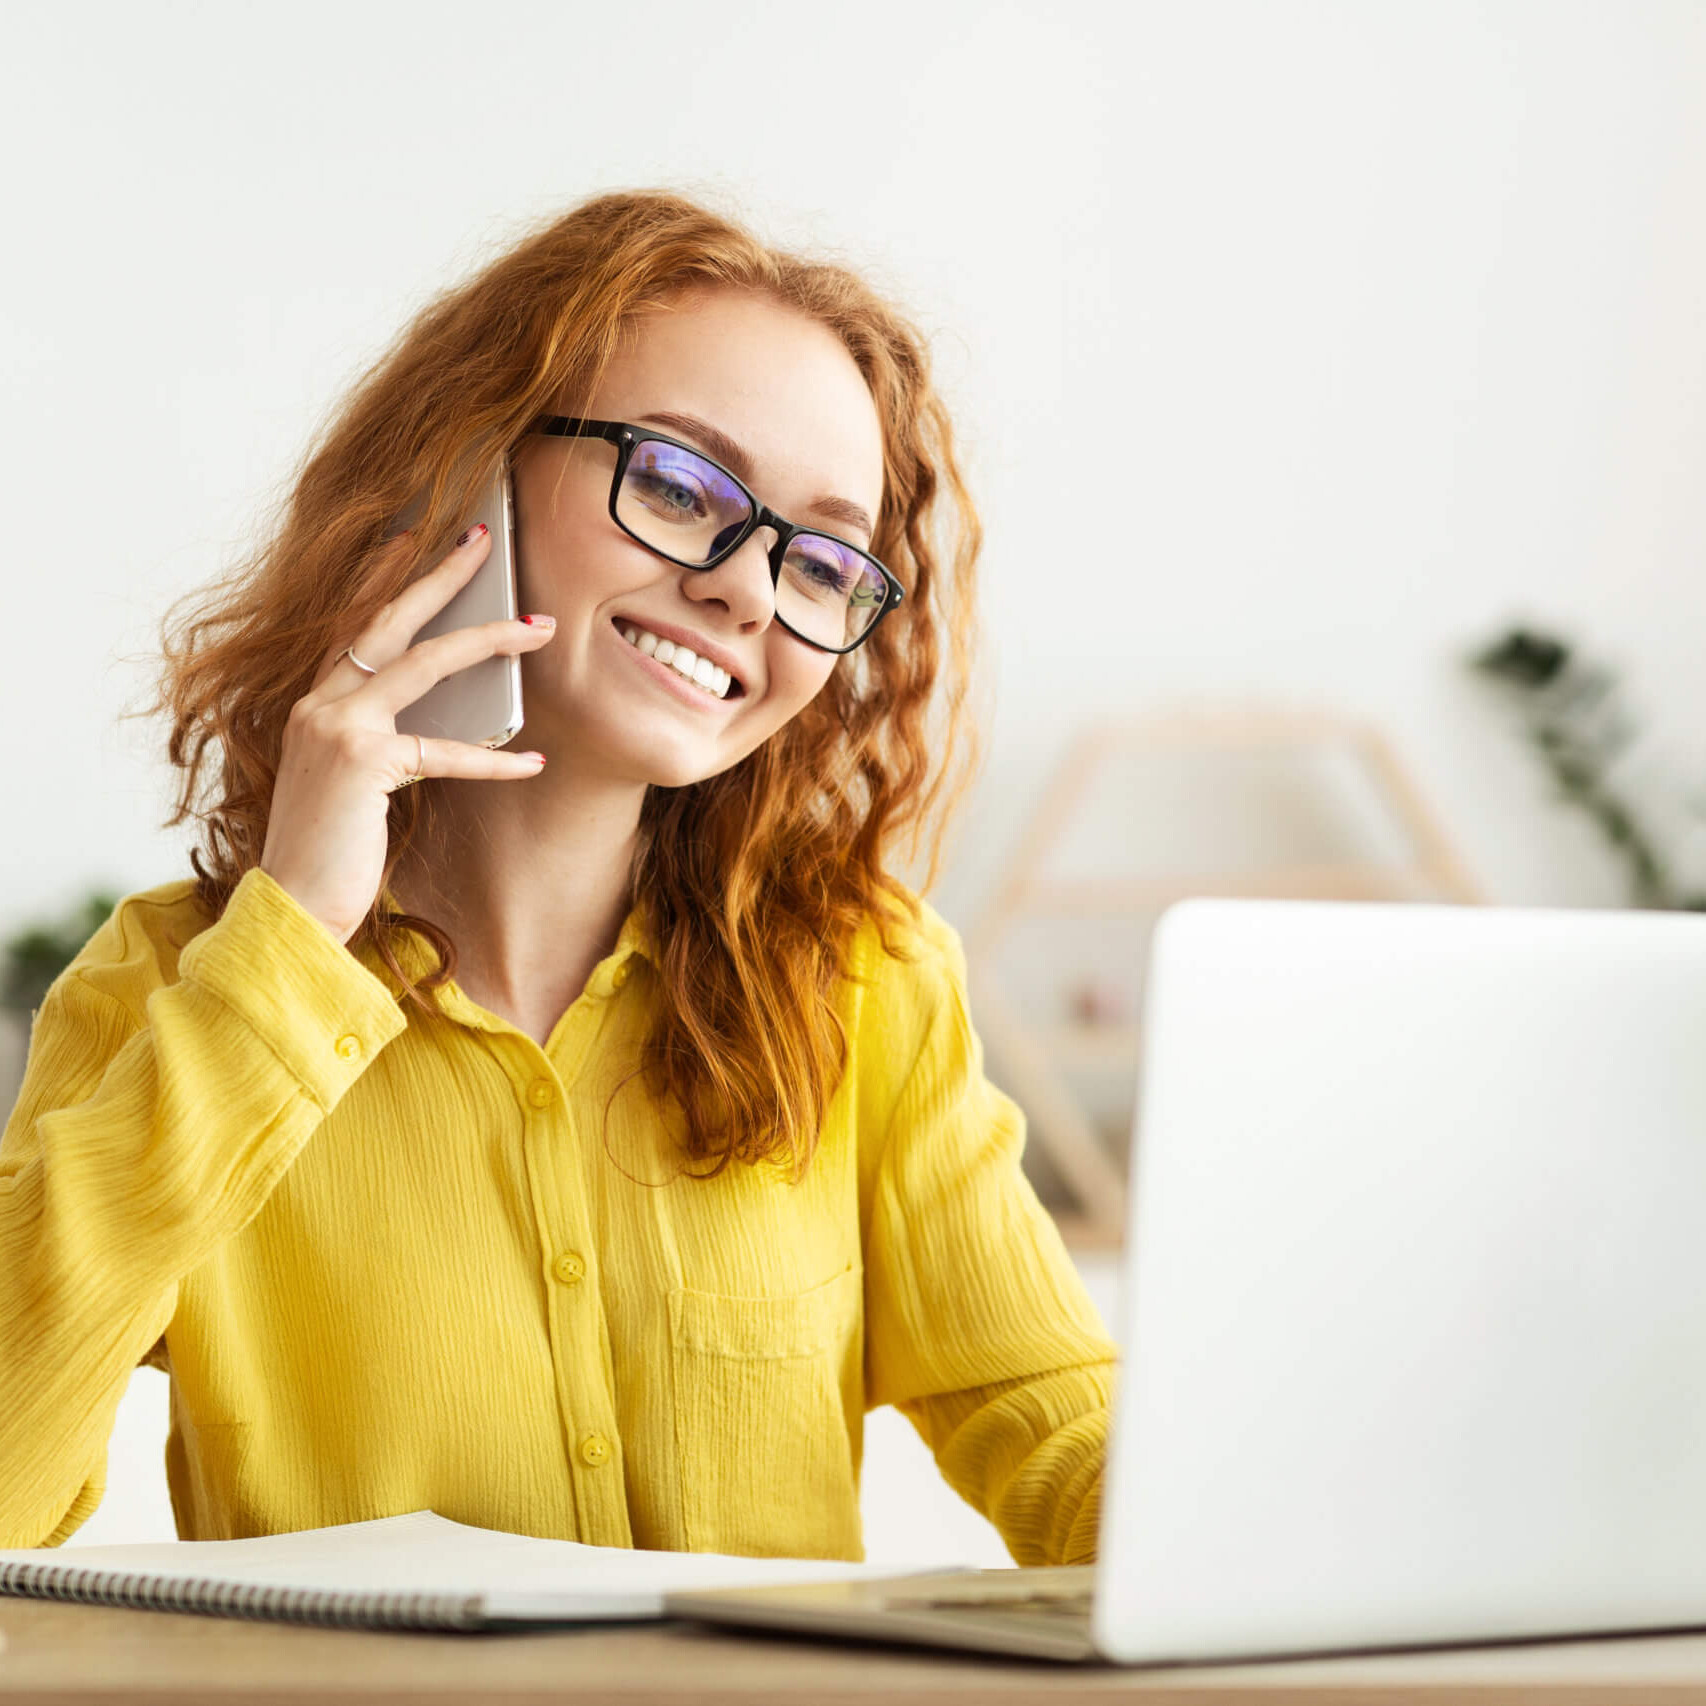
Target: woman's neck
x,y
532,880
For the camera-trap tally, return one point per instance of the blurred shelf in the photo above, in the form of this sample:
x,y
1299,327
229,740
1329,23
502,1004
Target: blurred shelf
x,y
1123,896
1091,1045
1081,1232
1036,1059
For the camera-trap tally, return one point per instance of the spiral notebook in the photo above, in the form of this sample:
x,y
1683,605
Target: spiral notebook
x,y
419,1571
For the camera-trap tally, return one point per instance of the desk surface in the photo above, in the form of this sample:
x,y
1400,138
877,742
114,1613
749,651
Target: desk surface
x,y
64,1654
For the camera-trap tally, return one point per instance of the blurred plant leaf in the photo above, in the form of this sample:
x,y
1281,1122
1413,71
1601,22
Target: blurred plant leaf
x,y
40,952
1523,658
1576,723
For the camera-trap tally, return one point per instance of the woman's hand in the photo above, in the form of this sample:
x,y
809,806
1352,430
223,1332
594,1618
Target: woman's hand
x,y
342,754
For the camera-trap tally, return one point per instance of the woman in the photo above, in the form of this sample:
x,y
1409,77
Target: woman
x,y
574,1148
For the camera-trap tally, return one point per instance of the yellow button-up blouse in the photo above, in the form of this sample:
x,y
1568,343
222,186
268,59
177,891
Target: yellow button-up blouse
x,y
392,1260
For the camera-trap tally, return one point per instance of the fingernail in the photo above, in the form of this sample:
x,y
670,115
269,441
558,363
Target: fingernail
x,y
478,528
540,621
537,757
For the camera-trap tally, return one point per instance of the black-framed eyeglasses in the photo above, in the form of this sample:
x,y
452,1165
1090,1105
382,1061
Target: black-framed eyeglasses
x,y
690,510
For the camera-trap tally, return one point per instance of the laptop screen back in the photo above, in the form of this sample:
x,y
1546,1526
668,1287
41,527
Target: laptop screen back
x,y
1414,1323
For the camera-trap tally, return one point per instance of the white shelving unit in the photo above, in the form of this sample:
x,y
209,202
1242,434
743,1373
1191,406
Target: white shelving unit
x,y
1040,1062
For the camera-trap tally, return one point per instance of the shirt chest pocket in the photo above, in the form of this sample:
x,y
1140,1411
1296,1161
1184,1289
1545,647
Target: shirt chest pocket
x,y
768,1394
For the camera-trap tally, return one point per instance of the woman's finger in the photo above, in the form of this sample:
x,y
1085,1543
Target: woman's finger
x,y
390,632
402,682
460,759
387,636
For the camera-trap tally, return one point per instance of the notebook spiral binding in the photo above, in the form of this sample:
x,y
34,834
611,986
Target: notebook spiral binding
x,y
256,1600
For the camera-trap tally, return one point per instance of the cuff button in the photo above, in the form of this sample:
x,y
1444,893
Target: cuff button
x,y
348,1046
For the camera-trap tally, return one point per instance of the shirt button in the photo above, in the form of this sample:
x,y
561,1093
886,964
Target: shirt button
x,y
348,1046
620,976
595,1451
569,1267
539,1093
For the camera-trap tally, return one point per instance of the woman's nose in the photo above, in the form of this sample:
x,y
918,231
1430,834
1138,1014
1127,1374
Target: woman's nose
x,y
741,582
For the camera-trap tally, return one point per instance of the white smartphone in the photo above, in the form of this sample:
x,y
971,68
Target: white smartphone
x,y
482,703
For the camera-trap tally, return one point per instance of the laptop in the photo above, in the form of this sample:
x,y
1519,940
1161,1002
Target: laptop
x,y
1413,1310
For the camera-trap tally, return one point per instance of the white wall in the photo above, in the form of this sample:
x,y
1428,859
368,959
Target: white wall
x,y
1375,324
1380,319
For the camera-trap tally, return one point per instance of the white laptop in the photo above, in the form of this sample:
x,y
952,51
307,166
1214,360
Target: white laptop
x,y
1413,1323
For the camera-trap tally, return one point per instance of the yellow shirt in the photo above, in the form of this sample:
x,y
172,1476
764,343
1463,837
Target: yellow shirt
x,y
393,1261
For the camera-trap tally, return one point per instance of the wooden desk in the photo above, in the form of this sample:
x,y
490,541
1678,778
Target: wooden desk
x,y
68,1655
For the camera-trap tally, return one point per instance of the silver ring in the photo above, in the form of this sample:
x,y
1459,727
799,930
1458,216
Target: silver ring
x,y
420,768
365,668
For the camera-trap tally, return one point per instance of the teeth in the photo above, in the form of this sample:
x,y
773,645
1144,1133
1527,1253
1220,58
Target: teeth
x,y
700,671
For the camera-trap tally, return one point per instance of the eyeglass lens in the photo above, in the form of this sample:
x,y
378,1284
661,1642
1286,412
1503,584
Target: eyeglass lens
x,y
689,509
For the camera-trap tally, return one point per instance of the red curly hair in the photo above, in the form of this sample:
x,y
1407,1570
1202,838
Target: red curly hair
x,y
752,882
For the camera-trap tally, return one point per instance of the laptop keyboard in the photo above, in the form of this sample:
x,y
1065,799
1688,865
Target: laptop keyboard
x,y
1064,1606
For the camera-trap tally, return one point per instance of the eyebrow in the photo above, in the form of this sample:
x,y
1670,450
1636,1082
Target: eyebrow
x,y
728,450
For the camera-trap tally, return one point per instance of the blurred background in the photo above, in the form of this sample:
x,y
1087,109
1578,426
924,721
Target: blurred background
x,y
1303,353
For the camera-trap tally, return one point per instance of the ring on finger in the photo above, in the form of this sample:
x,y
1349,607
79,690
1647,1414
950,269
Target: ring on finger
x,y
365,668
420,767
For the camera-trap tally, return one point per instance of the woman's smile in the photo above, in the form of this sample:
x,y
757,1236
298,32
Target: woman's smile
x,y
667,675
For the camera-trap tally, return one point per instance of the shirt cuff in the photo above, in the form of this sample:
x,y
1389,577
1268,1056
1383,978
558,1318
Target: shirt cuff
x,y
275,965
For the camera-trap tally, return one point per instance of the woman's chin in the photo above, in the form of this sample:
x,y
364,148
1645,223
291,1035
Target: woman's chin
x,y
661,774
640,753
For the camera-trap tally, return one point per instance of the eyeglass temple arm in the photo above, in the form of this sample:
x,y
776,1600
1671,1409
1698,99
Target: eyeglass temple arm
x,y
572,426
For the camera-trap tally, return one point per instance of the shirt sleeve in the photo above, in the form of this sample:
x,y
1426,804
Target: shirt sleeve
x,y
154,1120
978,1328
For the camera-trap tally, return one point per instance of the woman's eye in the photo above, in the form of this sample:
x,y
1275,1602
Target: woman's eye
x,y
834,578
669,495
827,574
